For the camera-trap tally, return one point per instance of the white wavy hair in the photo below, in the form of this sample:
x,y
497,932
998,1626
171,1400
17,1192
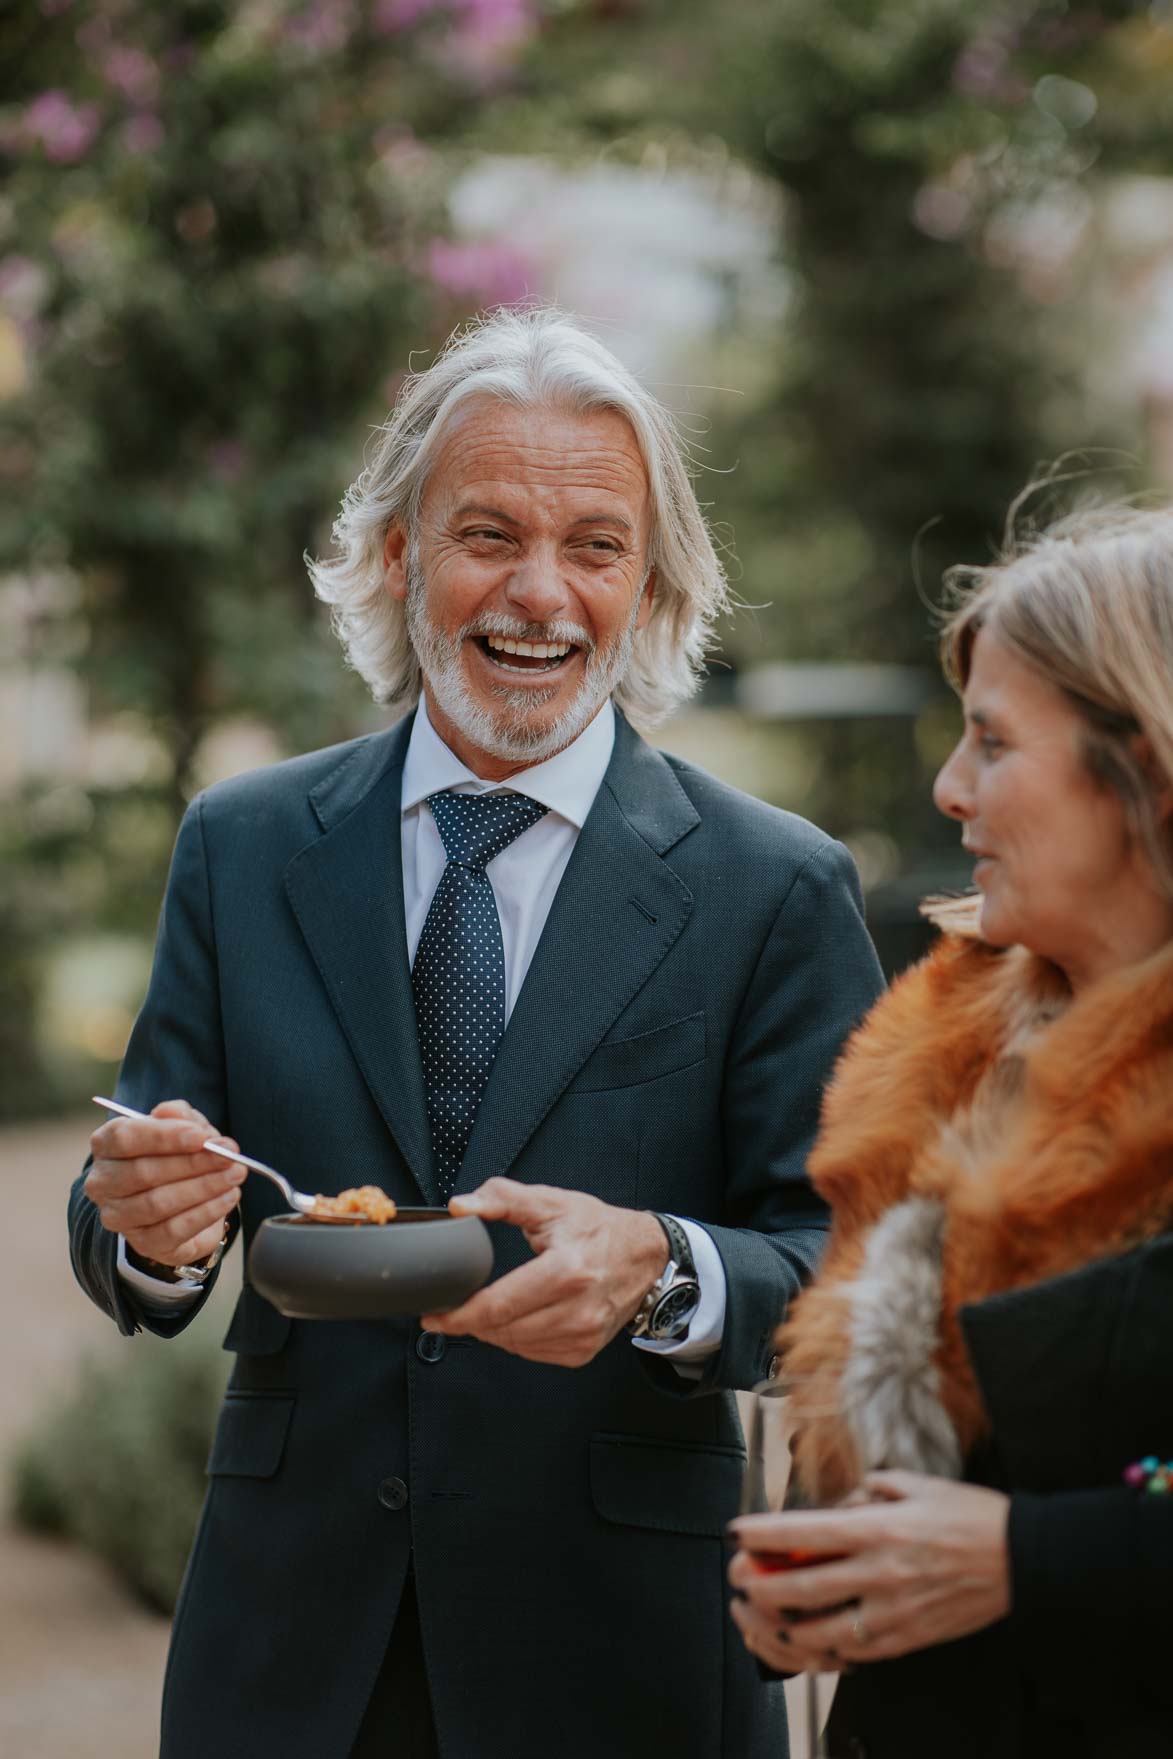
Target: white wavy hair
x,y
535,359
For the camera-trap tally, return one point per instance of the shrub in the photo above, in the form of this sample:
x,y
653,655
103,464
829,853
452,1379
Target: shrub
x,y
118,1467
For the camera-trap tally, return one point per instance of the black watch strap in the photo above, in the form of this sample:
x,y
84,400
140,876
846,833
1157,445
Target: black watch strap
x,y
678,1247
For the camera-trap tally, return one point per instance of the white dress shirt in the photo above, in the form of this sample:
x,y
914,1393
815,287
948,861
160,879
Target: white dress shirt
x,y
525,877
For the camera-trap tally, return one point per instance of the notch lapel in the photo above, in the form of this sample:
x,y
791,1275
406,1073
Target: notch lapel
x,y
346,890
618,910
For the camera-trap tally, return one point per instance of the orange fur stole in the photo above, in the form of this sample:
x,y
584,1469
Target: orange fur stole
x,y
1079,1167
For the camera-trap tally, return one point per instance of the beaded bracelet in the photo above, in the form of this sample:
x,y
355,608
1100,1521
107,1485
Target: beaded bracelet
x,y
1150,1474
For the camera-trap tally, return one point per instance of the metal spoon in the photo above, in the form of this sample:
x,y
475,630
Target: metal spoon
x,y
298,1200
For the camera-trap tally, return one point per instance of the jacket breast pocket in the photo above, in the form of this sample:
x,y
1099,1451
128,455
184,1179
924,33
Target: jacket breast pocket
x,y
626,1062
250,1435
670,1486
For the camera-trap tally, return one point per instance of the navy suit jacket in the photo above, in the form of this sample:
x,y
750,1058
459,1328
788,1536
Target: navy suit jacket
x,y
702,961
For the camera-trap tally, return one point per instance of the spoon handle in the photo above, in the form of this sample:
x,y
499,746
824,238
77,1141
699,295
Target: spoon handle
x,y
297,1198
125,1111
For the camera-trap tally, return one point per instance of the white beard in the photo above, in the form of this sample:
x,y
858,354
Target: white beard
x,y
506,734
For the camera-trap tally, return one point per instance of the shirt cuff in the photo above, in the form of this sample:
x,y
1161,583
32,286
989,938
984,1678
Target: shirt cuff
x,y
156,1296
707,1325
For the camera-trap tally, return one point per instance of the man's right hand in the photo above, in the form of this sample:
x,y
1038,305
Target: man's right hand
x,y
155,1184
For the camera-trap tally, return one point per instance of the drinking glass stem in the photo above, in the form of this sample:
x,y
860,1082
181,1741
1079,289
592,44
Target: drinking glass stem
x,y
816,1745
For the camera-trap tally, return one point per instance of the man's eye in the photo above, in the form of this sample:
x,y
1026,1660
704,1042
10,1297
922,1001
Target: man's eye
x,y
486,531
990,743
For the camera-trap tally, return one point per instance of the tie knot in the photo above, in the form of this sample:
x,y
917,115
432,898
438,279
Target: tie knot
x,y
476,827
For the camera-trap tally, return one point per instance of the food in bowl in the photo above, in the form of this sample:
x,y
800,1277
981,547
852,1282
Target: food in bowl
x,y
362,1203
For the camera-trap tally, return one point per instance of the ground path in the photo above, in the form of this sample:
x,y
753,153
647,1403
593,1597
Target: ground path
x,y
80,1662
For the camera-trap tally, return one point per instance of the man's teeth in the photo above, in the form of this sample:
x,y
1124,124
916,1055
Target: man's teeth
x,y
538,650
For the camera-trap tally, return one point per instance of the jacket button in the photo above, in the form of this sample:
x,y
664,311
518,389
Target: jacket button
x,y
431,1346
393,1493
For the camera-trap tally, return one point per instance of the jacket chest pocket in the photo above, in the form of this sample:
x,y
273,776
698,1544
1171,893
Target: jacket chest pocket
x,y
628,1062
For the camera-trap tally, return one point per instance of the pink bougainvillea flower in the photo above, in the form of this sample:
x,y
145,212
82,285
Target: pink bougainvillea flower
x,y
65,130
131,72
489,271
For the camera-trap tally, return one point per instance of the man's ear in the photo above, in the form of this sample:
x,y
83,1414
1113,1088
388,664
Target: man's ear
x,y
647,594
395,560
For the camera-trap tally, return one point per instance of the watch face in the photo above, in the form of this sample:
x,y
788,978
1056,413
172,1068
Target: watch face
x,y
672,1312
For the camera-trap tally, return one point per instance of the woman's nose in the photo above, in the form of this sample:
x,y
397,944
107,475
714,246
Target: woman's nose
x,y
951,793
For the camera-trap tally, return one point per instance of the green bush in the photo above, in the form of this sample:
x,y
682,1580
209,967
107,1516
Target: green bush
x,y
118,1467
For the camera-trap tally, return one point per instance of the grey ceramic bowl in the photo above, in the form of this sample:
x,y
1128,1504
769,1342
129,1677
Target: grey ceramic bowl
x,y
424,1261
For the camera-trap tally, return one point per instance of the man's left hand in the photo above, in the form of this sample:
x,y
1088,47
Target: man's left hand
x,y
594,1266
924,1561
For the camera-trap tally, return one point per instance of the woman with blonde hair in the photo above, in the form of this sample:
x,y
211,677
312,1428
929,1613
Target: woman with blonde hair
x,y
982,1371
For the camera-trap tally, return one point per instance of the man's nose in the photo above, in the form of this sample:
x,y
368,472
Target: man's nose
x,y
535,589
952,794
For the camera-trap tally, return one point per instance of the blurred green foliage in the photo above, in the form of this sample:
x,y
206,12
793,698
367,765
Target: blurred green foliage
x,y
221,239
215,239
119,1465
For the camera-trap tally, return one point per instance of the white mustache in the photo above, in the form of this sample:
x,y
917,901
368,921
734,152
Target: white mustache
x,y
511,629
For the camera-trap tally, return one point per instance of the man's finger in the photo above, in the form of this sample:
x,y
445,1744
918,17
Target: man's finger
x,y
506,1200
132,1138
156,1205
542,1283
166,1240
110,1180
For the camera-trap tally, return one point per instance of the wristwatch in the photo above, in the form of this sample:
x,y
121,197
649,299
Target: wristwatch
x,y
667,1309
180,1273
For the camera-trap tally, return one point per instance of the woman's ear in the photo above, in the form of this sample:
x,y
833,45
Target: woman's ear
x,y
395,560
1159,782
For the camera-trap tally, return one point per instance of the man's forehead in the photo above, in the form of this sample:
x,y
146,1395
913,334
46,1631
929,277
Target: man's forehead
x,y
499,444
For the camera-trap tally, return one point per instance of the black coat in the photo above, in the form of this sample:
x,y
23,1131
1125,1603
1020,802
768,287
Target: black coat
x,y
1077,1376
704,957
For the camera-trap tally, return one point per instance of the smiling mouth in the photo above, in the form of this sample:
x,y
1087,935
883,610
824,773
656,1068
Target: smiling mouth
x,y
522,657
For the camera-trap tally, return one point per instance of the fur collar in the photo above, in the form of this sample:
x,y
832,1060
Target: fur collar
x,y
932,1210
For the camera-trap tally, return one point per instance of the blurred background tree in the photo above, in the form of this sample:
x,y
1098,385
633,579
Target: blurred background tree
x,y
884,258
216,234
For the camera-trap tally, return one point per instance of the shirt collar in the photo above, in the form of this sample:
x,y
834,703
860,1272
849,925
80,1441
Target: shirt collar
x,y
566,783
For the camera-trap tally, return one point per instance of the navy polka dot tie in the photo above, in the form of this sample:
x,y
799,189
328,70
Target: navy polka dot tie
x,y
459,971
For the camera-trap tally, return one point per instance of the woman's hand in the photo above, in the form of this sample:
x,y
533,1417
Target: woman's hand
x,y
922,1563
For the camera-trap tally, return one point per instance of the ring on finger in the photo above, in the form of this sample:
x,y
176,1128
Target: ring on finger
x,y
859,1630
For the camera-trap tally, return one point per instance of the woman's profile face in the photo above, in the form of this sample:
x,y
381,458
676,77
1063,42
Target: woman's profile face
x,y
1055,856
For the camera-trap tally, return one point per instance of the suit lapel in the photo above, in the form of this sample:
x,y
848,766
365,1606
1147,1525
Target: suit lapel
x,y
346,890
617,911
